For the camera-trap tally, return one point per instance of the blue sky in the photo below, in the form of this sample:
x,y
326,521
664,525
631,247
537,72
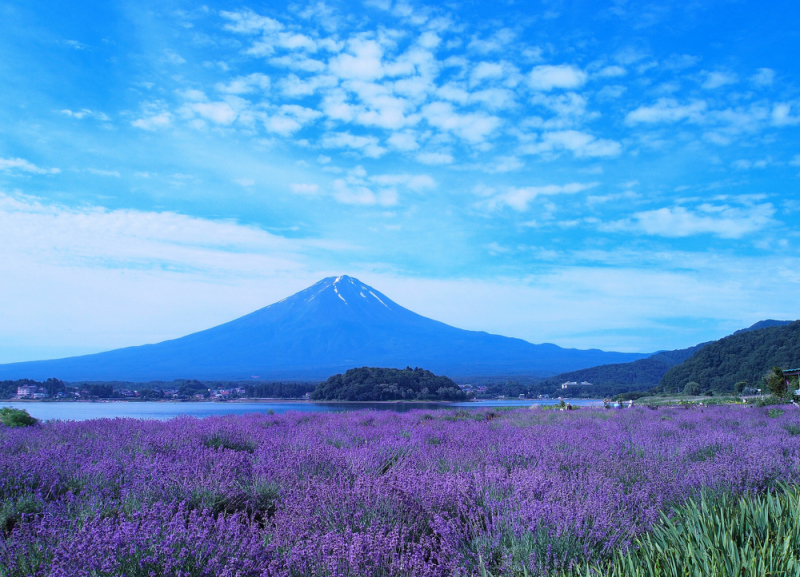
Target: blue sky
x,y
621,175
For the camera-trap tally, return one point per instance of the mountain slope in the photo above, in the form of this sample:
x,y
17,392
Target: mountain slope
x,y
644,373
742,356
337,324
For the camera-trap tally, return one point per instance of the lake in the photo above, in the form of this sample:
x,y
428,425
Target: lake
x,y
81,411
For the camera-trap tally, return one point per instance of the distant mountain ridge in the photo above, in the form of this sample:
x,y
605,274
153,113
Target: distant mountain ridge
x,y
765,324
644,372
335,325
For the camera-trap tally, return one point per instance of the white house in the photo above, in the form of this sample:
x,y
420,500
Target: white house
x,y
569,384
26,391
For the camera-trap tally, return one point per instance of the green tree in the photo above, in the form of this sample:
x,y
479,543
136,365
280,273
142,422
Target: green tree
x,y
16,417
740,386
692,388
149,394
775,381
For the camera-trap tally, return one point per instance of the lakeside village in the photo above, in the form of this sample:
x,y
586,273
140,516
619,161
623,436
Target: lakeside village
x,y
53,389
34,392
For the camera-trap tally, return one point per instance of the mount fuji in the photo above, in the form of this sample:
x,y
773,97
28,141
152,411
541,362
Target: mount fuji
x,y
337,324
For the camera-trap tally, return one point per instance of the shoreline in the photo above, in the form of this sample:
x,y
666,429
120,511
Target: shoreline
x,y
284,400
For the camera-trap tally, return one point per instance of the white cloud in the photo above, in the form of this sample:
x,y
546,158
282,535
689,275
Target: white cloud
x,y
547,77
611,92
744,164
76,45
627,196
304,188
358,194
415,182
85,113
173,57
303,114
453,92
367,145
362,61
498,42
569,109
248,22
519,199
680,61
429,40
473,127
320,12
782,115
667,110
763,77
496,248
295,41
581,144
502,164
293,86
435,158
217,112
611,72
379,107
101,172
282,125
404,141
718,79
298,62
494,98
154,122
486,71
20,164
245,84
723,221
98,237
289,118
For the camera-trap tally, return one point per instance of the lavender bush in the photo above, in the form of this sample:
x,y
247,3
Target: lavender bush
x,y
369,493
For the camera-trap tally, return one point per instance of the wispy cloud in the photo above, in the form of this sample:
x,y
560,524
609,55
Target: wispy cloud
x,y
667,110
22,165
98,237
579,143
547,77
723,221
520,198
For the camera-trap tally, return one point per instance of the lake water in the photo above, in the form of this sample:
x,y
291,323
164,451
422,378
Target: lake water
x,y
81,411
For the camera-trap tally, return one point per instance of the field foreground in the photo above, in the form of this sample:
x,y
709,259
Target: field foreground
x,y
371,493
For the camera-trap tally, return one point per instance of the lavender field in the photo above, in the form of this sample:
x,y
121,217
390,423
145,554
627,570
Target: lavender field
x,y
370,493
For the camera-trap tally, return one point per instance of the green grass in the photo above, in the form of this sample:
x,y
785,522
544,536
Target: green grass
x,y
715,536
752,536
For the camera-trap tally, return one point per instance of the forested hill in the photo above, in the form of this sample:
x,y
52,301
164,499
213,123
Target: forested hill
x,y
645,373
648,372
740,357
379,384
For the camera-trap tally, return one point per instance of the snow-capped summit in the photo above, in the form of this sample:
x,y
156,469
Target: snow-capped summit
x,y
346,287
334,325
